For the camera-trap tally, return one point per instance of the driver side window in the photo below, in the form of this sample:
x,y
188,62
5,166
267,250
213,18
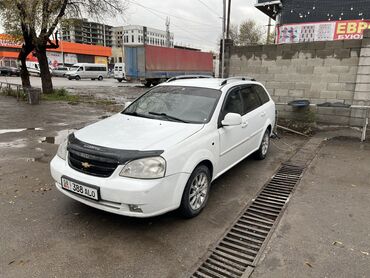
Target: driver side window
x,y
233,104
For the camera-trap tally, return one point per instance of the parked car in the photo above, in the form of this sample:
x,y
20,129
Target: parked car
x,y
119,71
9,71
87,70
60,71
166,148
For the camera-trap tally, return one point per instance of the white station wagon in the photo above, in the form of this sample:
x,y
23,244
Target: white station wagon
x,y
165,149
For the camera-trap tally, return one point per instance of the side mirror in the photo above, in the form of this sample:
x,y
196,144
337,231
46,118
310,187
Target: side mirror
x,y
127,104
232,119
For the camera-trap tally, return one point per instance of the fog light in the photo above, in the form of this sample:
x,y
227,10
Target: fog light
x,y
135,208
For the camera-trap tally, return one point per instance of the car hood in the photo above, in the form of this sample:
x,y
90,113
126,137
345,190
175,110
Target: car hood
x,y
135,133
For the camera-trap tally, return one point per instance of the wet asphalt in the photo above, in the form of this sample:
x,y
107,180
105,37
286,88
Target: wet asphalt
x,y
45,234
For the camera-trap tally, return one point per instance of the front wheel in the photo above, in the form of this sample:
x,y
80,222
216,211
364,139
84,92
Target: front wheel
x,y
77,78
100,78
196,192
261,153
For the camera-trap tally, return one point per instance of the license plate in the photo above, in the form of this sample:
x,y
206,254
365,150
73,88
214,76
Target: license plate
x,y
81,189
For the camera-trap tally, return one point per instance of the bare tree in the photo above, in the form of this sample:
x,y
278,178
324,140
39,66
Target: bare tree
x,y
37,21
250,33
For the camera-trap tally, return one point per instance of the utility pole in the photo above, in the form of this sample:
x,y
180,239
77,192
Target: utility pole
x,y
268,31
228,20
168,34
223,40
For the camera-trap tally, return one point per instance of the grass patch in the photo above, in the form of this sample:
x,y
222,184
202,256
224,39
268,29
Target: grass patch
x,y
60,95
13,93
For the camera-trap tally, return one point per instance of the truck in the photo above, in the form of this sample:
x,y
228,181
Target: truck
x,y
152,65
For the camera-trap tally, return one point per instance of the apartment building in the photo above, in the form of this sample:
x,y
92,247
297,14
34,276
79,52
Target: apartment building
x,y
134,35
83,31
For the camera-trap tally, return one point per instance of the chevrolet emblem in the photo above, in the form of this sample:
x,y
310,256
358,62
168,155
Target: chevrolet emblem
x,y
86,165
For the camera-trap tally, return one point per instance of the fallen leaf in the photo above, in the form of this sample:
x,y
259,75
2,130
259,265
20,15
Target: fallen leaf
x,y
11,262
365,253
337,243
308,264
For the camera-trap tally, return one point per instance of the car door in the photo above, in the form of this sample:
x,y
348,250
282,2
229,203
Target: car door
x,y
253,116
232,138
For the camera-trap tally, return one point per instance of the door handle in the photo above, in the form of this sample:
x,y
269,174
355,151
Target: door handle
x,y
244,124
263,114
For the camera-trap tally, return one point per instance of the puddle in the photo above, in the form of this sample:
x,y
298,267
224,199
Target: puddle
x,y
3,131
20,143
59,138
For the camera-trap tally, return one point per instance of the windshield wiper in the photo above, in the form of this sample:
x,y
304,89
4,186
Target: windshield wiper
x,y
168,117
137,115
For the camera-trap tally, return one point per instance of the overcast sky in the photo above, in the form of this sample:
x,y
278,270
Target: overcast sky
x,y
195,23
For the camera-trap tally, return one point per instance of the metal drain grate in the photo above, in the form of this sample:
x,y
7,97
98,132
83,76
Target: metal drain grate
x,y
241,246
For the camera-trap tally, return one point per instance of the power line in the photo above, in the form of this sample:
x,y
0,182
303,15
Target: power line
x,y
163,18
168,14
209,8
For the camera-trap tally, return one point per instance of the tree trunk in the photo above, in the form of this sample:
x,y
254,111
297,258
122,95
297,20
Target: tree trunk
x,y
25,76
47,84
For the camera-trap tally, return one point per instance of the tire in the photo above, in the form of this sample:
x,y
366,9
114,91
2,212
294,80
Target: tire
x,y
148,83
100,78
77,77
92,78
261,153
119,80
191,206
69,78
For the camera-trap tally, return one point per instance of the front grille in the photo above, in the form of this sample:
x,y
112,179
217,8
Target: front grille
x,y
98,166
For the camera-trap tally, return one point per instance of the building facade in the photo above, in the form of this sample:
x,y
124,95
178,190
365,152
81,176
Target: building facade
x,y
134,35
86,32
68,53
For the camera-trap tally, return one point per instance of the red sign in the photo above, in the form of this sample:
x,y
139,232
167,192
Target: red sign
x,y
350,29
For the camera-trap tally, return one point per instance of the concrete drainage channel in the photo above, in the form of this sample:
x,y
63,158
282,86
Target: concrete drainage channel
x,y
239,250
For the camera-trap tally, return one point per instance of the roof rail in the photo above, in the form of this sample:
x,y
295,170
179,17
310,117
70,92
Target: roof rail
x,y
243,78
190,76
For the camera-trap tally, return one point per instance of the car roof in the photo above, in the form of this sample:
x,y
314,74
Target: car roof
x,y
211,83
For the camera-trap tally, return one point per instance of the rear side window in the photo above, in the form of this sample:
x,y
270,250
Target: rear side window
x,y
250,99
261,93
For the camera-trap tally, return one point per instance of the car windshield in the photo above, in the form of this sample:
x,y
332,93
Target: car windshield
x,y
175,103
74,68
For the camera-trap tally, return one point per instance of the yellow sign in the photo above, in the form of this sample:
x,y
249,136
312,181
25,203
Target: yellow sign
x,y
101,60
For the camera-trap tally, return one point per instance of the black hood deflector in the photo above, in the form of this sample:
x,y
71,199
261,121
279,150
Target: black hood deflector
x,y
114,155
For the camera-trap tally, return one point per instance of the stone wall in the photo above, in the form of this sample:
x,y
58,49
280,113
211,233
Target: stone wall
x,y
336,71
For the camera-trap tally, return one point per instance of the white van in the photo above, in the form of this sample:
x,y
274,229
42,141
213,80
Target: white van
x,y
33,68
87,70
119,71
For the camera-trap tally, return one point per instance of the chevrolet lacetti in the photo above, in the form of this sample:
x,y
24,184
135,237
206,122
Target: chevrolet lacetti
x,y
165,149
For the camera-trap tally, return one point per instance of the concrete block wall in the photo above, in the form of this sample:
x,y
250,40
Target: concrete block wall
x,y
320,71
335,71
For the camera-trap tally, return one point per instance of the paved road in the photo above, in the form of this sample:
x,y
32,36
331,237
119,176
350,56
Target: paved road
x,y
45,234
61,82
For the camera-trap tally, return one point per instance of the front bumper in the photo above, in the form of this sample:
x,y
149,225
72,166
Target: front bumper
x,y
154,197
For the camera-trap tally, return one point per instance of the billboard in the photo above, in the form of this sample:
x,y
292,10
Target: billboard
x,y
101,60
322,31
9,41
54,58
70,58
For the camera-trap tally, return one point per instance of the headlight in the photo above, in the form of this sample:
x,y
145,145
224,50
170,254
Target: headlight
x,y
62,150
145,168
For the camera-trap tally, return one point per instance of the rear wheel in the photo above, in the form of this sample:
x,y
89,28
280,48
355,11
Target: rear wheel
x,y
119,80
148,83
196,192
261,153
77,77
100,78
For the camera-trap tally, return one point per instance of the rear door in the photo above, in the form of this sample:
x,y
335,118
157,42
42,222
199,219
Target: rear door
x,y
253,118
